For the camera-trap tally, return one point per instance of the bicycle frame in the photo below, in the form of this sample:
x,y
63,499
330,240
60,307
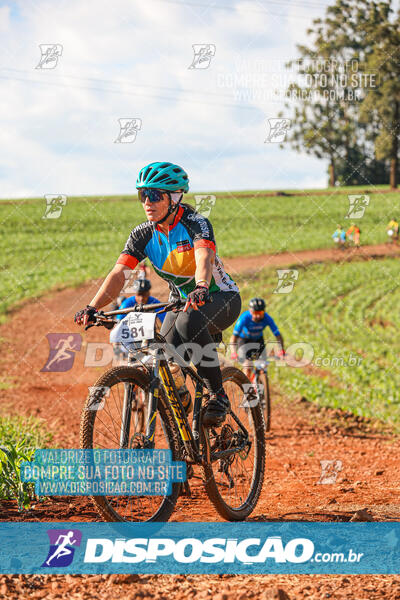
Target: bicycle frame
x,y
160,374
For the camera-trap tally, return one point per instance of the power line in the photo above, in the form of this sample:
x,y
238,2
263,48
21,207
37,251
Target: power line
x,y
143,95
264,9
122,82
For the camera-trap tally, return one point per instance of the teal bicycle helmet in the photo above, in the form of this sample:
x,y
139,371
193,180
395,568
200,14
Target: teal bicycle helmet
x,y
164,176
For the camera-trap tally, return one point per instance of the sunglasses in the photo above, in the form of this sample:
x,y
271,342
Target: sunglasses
x,y
155,195
152,194
257,313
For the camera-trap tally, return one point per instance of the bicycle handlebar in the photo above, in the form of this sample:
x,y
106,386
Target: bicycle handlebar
x,y
145,308
101,317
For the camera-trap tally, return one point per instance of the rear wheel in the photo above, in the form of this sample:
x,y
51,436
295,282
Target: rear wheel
x,y
234,483
101,424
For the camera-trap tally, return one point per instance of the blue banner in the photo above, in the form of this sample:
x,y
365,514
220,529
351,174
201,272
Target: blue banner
x,y
103,472
235,548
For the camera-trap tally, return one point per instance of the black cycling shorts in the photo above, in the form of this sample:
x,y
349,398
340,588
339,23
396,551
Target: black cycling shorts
x,y
250,349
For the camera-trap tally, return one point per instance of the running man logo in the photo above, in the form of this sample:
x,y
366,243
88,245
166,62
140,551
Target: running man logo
x,y
54,205
278,129
357,205
130,278
97,397
204,203
329,471
63,347
128,129
203,54
61,552
50,53
252,394
286,280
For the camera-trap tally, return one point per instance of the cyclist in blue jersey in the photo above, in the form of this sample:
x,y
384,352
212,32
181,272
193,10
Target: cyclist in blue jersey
x,y
247,339
141,289
339,237
180,244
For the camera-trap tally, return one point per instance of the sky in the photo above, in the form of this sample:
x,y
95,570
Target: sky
x,y
131,59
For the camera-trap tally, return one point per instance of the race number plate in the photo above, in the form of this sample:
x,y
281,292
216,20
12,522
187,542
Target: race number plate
x,y
134,328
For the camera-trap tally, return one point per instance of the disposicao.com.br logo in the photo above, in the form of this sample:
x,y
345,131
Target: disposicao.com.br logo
x,y
211,550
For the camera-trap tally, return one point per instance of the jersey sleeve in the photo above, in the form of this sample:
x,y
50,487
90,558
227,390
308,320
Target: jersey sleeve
x,y
269,322
201,231
134,250
238,325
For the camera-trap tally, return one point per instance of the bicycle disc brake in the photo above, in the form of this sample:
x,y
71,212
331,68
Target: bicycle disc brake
x,y
139,441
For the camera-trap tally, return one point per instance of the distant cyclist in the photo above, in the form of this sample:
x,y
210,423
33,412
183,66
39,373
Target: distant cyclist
x,y
393,230
339,237
248,331
180,244
143,270
353,234
141,289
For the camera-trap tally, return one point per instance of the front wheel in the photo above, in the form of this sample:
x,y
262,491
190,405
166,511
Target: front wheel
x,y
233,483
112,417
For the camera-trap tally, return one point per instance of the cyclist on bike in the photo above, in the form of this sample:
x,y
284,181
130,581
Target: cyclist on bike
x,y
339,237
141,288
181,247
248,331
353,234
393,229
144,270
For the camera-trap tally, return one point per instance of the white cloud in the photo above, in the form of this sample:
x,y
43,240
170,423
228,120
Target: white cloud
x,y
131,59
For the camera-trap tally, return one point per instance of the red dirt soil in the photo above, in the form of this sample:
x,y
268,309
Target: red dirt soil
x,y
302,435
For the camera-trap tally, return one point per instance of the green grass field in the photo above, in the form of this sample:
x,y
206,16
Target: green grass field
x,y
345,312
38,254
350,316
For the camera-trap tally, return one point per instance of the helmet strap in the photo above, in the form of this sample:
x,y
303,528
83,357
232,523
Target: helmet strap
x,y
171,210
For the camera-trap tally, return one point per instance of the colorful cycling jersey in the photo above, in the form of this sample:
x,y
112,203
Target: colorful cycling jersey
x,y
172,256
340,234
131,301
248,329
393,225
353,229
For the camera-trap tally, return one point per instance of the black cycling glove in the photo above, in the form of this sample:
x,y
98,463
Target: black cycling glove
x,y
86,315
197,297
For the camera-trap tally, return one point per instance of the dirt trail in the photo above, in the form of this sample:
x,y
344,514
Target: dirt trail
x,y
302,436
250,264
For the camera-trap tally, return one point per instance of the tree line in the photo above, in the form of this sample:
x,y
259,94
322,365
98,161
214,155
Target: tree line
x,y
345,101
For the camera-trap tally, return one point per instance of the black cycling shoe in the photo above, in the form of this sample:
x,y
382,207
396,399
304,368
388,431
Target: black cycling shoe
x,y
216,409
